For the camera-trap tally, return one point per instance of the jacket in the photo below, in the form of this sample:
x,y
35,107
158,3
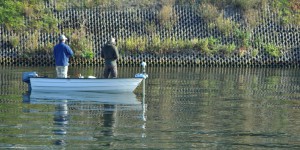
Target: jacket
x,y
62,52
110,54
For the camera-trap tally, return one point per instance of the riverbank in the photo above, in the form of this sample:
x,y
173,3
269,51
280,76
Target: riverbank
x,y
168,60
170,35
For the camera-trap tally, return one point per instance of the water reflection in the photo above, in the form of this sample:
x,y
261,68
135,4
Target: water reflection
x,y
61,121
107,98
108,119
187,108
102,108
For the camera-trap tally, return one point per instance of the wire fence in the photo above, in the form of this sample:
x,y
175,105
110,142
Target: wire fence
x,y
100,24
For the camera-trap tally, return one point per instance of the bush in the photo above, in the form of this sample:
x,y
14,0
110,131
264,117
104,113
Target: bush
x,y
208,12
288,11
81,43
14,41
32,42
130,44
203,45
133,44
251,17
244,37
154,43
224,25
166,16
141,43
272,49
230,48
11,15
168,44
254,52
245,4
182,44
47,48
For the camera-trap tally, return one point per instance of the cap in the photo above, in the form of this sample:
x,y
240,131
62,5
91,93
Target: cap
x,y
62,37
113,40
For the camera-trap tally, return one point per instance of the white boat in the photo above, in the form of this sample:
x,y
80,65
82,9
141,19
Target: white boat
x,y
90,84
117,85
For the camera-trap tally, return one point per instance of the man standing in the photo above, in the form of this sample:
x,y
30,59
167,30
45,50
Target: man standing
x,y
62,52
111,55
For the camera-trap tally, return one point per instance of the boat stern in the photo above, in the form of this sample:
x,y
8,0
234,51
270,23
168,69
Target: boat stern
x,y
26,78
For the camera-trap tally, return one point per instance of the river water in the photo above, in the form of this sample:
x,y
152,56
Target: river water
x,y
182,108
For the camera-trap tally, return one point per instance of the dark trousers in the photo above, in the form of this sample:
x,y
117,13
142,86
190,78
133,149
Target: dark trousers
x,y
110,70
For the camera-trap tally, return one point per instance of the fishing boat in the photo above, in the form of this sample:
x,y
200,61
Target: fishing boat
x,y
90,84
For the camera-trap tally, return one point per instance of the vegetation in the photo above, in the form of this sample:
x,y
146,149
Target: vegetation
x,y
81,43
272,49
166,16
11,14
207,46
31,19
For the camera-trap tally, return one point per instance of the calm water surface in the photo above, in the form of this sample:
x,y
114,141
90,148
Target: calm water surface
x,y
183,108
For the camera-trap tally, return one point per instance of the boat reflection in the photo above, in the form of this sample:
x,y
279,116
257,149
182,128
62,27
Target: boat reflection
x,y
106,105
105,98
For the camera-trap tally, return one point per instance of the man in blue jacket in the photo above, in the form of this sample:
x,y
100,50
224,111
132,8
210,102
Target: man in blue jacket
x,y
62,52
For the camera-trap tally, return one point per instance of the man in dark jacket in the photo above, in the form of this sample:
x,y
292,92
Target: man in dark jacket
x,y
62,52
111,55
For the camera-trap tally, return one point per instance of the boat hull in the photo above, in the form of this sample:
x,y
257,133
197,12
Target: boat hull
x,y
115,85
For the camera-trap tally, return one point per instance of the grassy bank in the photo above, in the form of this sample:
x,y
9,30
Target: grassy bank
x,y
25,22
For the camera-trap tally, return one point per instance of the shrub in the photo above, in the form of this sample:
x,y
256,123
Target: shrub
x,y
288,11
224,25
167,44
245,4
81,43
150,28
272,49
166,16
155,43
130,44
207,45
251,17
230,48
203,46
225,49
208,12
194,43
11,15
32,42
49,23
133,44
212,42
14,41
141,43
244,37
254,52
47,48
181,44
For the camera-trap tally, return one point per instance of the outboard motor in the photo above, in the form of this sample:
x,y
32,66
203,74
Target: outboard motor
x,y
27,75
26,78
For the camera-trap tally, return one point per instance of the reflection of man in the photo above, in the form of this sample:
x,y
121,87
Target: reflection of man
x,y
108,119
110,54
62,52
61,120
